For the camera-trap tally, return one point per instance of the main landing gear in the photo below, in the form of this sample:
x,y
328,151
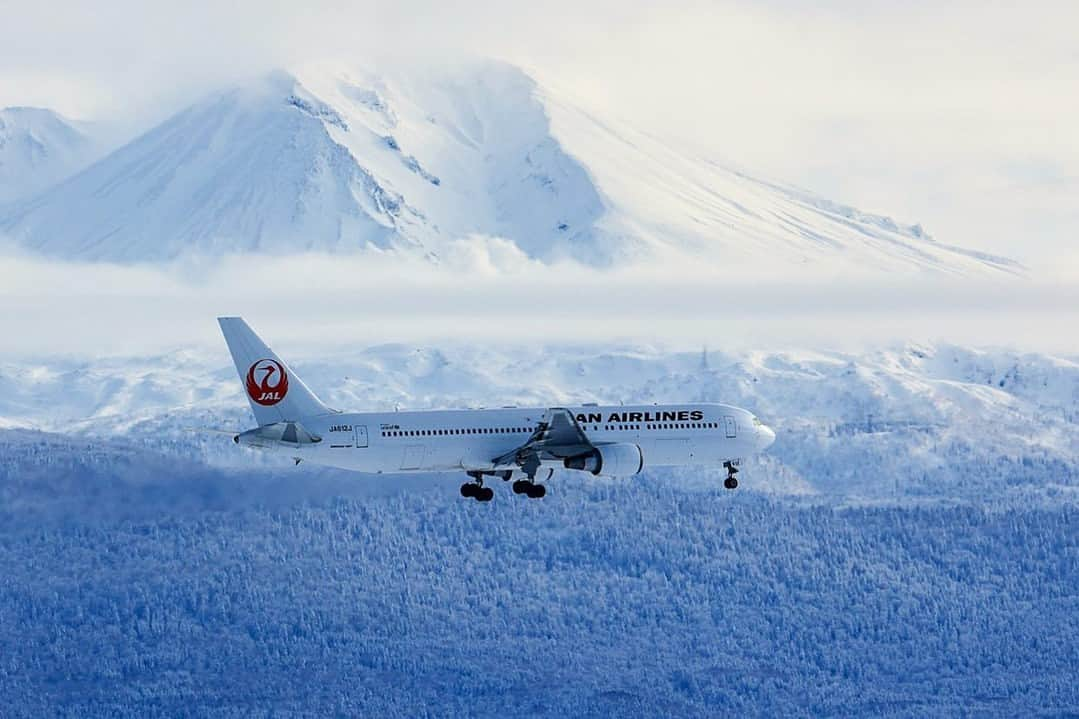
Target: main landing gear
x,y
475,489
731,482
527,486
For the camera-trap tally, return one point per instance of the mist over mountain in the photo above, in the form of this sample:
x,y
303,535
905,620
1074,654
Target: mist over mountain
x,y
330,159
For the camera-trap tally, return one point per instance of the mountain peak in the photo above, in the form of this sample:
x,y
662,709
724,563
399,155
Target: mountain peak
x,y
339,158
38,147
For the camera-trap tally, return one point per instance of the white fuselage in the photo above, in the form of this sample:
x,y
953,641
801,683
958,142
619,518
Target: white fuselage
x,y
471,440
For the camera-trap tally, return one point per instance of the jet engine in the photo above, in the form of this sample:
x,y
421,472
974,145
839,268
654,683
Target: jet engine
x,y
610,460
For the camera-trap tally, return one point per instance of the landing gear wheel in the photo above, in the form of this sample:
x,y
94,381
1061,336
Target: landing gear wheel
x,y
484,494
731,482
536,491
521,486
468,489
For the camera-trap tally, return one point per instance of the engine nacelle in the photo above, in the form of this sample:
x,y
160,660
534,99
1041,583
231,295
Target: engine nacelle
x,y
610,460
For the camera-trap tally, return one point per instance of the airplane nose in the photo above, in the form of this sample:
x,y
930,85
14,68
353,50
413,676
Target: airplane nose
x,y
765,437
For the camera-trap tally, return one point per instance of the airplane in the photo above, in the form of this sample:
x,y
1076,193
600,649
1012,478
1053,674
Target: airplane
x,y
511,443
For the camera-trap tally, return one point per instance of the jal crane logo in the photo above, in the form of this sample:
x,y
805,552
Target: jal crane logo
x,y
267,382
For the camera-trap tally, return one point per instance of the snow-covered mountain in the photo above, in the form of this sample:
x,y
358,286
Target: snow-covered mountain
x,y
938,421
336,160
38,148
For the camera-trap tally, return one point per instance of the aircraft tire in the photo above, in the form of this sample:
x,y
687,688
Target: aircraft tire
x,y
521,486
485,494
730,483
468,489
537,491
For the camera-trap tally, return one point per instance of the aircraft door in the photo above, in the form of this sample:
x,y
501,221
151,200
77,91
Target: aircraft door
x,y
361,436
731,427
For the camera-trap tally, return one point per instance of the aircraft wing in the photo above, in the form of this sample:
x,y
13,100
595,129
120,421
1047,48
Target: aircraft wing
x,y
557,437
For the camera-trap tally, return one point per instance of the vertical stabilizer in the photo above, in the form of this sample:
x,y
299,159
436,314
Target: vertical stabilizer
x,y
273,390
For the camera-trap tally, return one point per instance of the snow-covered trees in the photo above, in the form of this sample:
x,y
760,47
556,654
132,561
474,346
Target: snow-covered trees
x,y
628,598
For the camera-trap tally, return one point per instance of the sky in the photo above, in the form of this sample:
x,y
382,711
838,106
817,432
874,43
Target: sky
x,y
961,116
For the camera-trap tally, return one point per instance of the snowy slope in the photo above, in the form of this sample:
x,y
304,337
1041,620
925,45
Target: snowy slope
x,y
38,148
910,421
338,159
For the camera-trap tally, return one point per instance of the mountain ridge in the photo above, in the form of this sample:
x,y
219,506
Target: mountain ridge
x,y
39,147
932,420
342,159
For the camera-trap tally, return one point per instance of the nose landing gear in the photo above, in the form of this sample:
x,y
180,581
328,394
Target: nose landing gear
x,y
731,482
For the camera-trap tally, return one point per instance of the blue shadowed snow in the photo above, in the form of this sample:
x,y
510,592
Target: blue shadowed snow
x,y
186,590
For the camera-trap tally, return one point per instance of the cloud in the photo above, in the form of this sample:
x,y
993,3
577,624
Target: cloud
x,y
484,292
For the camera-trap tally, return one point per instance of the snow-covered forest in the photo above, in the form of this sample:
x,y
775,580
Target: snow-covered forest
x,y
636,598
892,555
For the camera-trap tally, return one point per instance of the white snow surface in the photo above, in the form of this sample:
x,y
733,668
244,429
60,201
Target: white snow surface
x,y
910,421
38,148
342,159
